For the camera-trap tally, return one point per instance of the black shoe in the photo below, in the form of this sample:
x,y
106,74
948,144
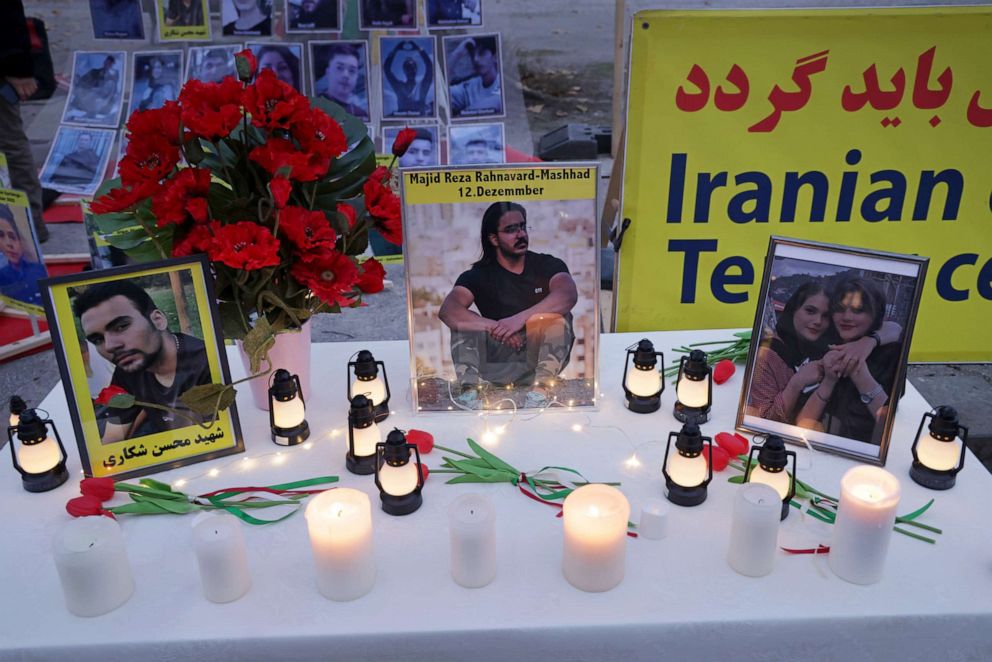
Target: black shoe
x,y
48,196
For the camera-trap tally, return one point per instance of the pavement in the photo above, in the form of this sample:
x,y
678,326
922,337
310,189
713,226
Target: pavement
x,y
553,77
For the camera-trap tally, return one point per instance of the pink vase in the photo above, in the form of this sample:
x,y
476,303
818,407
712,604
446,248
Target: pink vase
x,y
290,352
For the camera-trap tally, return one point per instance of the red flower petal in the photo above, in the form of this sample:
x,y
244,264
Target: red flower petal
x,y
721,458
108,393
732,443
373,274
101,488
85,506
424,441
723,371
403,141
425,472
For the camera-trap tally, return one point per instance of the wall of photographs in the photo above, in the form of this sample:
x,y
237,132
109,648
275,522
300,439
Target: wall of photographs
x,y
426,64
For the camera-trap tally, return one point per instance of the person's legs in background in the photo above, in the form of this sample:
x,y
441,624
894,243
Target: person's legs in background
x,y
23,174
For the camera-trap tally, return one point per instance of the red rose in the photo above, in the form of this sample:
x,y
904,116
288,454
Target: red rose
x,y
246,64
245,245
211,110
721,458
84,506
308,230
123,198
162,122
403,140
424,441
723,371
732,443
183,198
200,239
279,153
318,133
280,188
380,175
108,393
330,275
372,276
349,213
272,103
148,158
101,488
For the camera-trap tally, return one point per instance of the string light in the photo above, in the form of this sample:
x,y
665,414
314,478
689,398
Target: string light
x,y
213,473
179,483
576,427
308,445
489,438
632,462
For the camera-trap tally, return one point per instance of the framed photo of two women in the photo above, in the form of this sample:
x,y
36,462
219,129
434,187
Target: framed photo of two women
x,y
831,339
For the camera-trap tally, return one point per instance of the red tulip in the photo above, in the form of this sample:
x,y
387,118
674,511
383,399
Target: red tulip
x,y
101,488
424,441
721,458
732,443
85,506
723,371
403,141
246,64
425,472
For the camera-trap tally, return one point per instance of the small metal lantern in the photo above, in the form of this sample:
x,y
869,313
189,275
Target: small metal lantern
x,y
643,385
771,469
40,459
287,409
368,382
399,479
17,407
938,452
687,472
694,388
363,436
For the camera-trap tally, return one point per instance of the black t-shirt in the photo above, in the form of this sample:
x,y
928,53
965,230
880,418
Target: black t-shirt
x,y
192,369
500,293
849,416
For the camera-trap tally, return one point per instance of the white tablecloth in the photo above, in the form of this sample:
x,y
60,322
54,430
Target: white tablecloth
x,y
679,601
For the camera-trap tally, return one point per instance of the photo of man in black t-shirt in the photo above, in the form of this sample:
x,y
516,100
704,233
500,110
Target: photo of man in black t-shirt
x,y
522,333
150,362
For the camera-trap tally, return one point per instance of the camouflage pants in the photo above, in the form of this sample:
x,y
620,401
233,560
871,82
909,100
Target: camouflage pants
x,y
545,353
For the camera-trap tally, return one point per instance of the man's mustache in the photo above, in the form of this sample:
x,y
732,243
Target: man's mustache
x,y
520,244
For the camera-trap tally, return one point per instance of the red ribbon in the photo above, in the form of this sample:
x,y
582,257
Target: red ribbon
x,y
822,549
535,497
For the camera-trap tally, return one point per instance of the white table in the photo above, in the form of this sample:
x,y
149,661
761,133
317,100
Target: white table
x,y
680,600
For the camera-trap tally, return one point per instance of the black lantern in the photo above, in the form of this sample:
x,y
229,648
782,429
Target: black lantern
x,y
938,452
287,409
643,385
687,472
398,475
369,383
771,469
694,388
39,458
17,407
363,435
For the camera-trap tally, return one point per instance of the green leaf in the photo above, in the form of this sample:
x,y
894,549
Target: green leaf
x,y
194,151
157,485
140,508
166,505
206,399
490,475
257,344
469,478
121,401
736,479
230,321
916,513
493,461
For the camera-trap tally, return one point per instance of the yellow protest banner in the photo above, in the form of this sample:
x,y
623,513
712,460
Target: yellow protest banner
x,y
863,127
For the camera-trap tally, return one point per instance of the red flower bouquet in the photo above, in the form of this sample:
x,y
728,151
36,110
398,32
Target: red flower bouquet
x,y
277,191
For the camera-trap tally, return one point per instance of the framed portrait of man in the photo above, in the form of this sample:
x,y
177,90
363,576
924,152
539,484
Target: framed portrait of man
x,y
476,144
77,160
407,77
156,77
117,19
448,14
831,338
502,268
211,64
96,94
386,14
425,150
312,16
339,72
473,66
131,343
183,20
246,18
21,263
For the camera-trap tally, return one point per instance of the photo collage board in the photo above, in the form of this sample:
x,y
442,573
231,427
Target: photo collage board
x,y
426,64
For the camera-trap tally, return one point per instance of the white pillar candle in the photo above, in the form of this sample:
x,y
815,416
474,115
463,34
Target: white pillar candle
x,y
754,529
220,553
93,566
340,525
654,519
472,526
595,545
869,497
